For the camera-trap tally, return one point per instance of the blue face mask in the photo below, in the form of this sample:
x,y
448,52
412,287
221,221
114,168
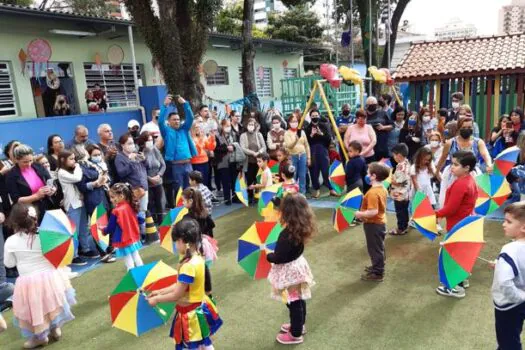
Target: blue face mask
x,y
368,180
412,122
445,132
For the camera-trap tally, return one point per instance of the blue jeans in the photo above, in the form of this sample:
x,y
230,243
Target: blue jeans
x,y
299,162
180,175
85,240
6,289
320,165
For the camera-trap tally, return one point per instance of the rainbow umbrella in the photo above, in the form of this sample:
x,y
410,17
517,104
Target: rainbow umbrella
x,y
253,246
493,191
172,217
459,251
178,198
337,177
241,190
129,307
58,238
506,160
344,213
274,168
424,216
265,198
99,218
388,180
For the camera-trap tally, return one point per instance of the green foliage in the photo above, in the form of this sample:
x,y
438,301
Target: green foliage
x,y
92,7
18,2
298,24
229,21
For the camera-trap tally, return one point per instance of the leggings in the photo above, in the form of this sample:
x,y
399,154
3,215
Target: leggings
x,y
133,260
297,317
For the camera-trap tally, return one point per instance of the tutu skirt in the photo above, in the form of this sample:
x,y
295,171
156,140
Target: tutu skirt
x,y
210,249
124,251
291,281
194,324
42,301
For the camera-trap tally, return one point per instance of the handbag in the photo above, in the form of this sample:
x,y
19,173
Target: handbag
x,y
238,154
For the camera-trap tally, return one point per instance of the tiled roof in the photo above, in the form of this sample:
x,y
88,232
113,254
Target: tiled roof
x,y
463,57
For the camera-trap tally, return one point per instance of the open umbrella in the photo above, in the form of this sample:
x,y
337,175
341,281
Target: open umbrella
x,y
459,250
171,218
253,246
506,160
99,218
424,216
265,197
274,168
344,213
58,238
130,310
178,198
241,190
337,177
493,191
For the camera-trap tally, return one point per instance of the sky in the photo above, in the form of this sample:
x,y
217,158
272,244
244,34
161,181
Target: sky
x,y
426,15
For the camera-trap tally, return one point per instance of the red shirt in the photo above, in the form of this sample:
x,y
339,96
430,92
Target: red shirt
x,y
460,201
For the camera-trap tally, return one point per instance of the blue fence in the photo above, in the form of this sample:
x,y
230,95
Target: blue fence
x,y
35,132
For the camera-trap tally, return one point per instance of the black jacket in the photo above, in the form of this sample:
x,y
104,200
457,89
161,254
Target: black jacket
x,y
323,139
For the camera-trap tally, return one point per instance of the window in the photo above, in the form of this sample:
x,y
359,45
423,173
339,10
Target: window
x,y
219,78
290,73
264,86
7,91
116,81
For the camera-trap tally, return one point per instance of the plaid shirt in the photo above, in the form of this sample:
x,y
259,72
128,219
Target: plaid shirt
x,y
207,196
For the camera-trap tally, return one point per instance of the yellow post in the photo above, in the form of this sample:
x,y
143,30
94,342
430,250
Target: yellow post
x,y
497,84
308,104
437,97
362,94
396,96
467,90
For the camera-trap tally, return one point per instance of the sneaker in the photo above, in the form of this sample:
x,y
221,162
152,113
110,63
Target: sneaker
x,y
78,261
35,343
368,268
465,284
56,333
353,224
110,250
6,305
316,194
108,259
412,224
372,277
285,328
333,193
288,339
3,324
215,201
228,203
72,275
454,292
90,255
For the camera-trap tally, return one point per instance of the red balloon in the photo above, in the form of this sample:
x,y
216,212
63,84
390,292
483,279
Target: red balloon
x,y
329,72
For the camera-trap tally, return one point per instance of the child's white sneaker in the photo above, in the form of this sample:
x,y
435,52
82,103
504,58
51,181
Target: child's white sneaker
x,y
56,333
457,292
35,343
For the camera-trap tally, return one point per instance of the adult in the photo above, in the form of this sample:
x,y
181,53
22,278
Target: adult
x,y
296,143
155,168
388,103
501,136
55,145
153,127
345,119
382,125
208,122
270,114
518,123
178,144
362,133
81,137
27,182
100,97
398,116
230,157
412,134
457,101
91,102
134,129
466,111
205,144
252,144
5,166
516,177
275,138
237,128
61,106
463,141
109,149
319,140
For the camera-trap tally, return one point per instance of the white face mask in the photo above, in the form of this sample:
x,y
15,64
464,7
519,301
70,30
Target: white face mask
x,y
434,144
227,130
96,159
276,126
129,148
149,144
426,119
294,125
251,128
455,104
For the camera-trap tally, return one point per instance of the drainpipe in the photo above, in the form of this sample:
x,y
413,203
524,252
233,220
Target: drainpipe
x,y
135,75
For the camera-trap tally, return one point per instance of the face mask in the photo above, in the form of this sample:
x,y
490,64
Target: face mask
x,y
135,133
426,118
368,180
446,132
315,121
434,144
371,108
276,126
130,148
149,144
227,130
294,125
455,105
412,122
96,159
346,113
466,133
251,128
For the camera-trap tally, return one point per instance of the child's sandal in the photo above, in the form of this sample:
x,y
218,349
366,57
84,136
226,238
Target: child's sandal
x,y
398,232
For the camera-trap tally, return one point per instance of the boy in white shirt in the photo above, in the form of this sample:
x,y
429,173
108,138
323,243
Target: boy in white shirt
x,y
508,288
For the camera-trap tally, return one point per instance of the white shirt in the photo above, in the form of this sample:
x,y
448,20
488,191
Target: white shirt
x,y
423,178
209,125
508,287
24,251
268,175
152,128
72,196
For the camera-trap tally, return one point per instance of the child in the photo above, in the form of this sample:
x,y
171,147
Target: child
x,y
283,157
196,182
428,123
266,176
422,172
43,295
355,168
196,319
436,146
333,155
123,225
399,188
508,287
460,201
290,275
289,184
373,215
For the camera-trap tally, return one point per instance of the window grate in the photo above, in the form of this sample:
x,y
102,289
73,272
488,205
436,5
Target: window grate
x,y
290,73
219,78
7,91
264,86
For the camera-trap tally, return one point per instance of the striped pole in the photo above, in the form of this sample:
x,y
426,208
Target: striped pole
x,y
467,90
438,94
489,108
497,111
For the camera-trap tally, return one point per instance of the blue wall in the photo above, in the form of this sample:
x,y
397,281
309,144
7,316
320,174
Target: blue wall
x,y
35,132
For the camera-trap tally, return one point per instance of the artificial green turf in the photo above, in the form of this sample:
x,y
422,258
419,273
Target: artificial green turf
x,y
403,312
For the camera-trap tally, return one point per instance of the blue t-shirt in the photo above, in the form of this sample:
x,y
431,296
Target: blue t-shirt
x,y
341,120
355,170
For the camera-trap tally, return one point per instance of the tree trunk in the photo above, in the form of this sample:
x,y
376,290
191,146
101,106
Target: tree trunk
x,y
249,89
396,18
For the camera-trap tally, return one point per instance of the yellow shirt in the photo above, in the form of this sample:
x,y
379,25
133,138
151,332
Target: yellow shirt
x,y
299,147
375,198
192,274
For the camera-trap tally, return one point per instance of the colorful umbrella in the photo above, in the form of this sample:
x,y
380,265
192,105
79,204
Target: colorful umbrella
x,y
424,216
337,176
344,213
130,310
58,238
99,218
265,198
388,180
506,160
493,191
274,168
241,190
253,246
178,198
171,218
459,251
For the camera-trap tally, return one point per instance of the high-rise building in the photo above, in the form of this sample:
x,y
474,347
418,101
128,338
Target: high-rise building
x,y
262,8
512,18
455,28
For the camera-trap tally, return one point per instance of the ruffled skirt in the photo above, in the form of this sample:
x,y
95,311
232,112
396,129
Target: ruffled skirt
x,y
42,301
124,251
210,249
291,281
193,325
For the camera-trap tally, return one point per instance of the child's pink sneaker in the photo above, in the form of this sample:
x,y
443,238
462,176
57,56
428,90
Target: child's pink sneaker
x,y
288,339
285,328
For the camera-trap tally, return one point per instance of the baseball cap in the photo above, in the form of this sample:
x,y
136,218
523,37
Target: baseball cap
x,y
133,123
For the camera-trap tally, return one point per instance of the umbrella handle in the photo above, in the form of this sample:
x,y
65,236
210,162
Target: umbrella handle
x,y
158,309
487,261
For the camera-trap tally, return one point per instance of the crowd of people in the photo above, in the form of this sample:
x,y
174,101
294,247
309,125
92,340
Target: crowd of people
x,y
139,175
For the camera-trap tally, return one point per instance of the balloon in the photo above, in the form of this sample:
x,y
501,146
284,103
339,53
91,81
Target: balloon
x,y
329,72
350,74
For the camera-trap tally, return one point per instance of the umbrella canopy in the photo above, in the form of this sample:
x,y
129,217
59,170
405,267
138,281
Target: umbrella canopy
x,y
99,218
424,216
274,168
493,191
171,218
344,213
459,250
58,238
388,180
506,160
337,177
178,198
241,190
130,310
253,246
266,196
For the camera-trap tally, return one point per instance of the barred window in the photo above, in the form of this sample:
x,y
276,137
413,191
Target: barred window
x,y
290,73
219,78
263,81
7,91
